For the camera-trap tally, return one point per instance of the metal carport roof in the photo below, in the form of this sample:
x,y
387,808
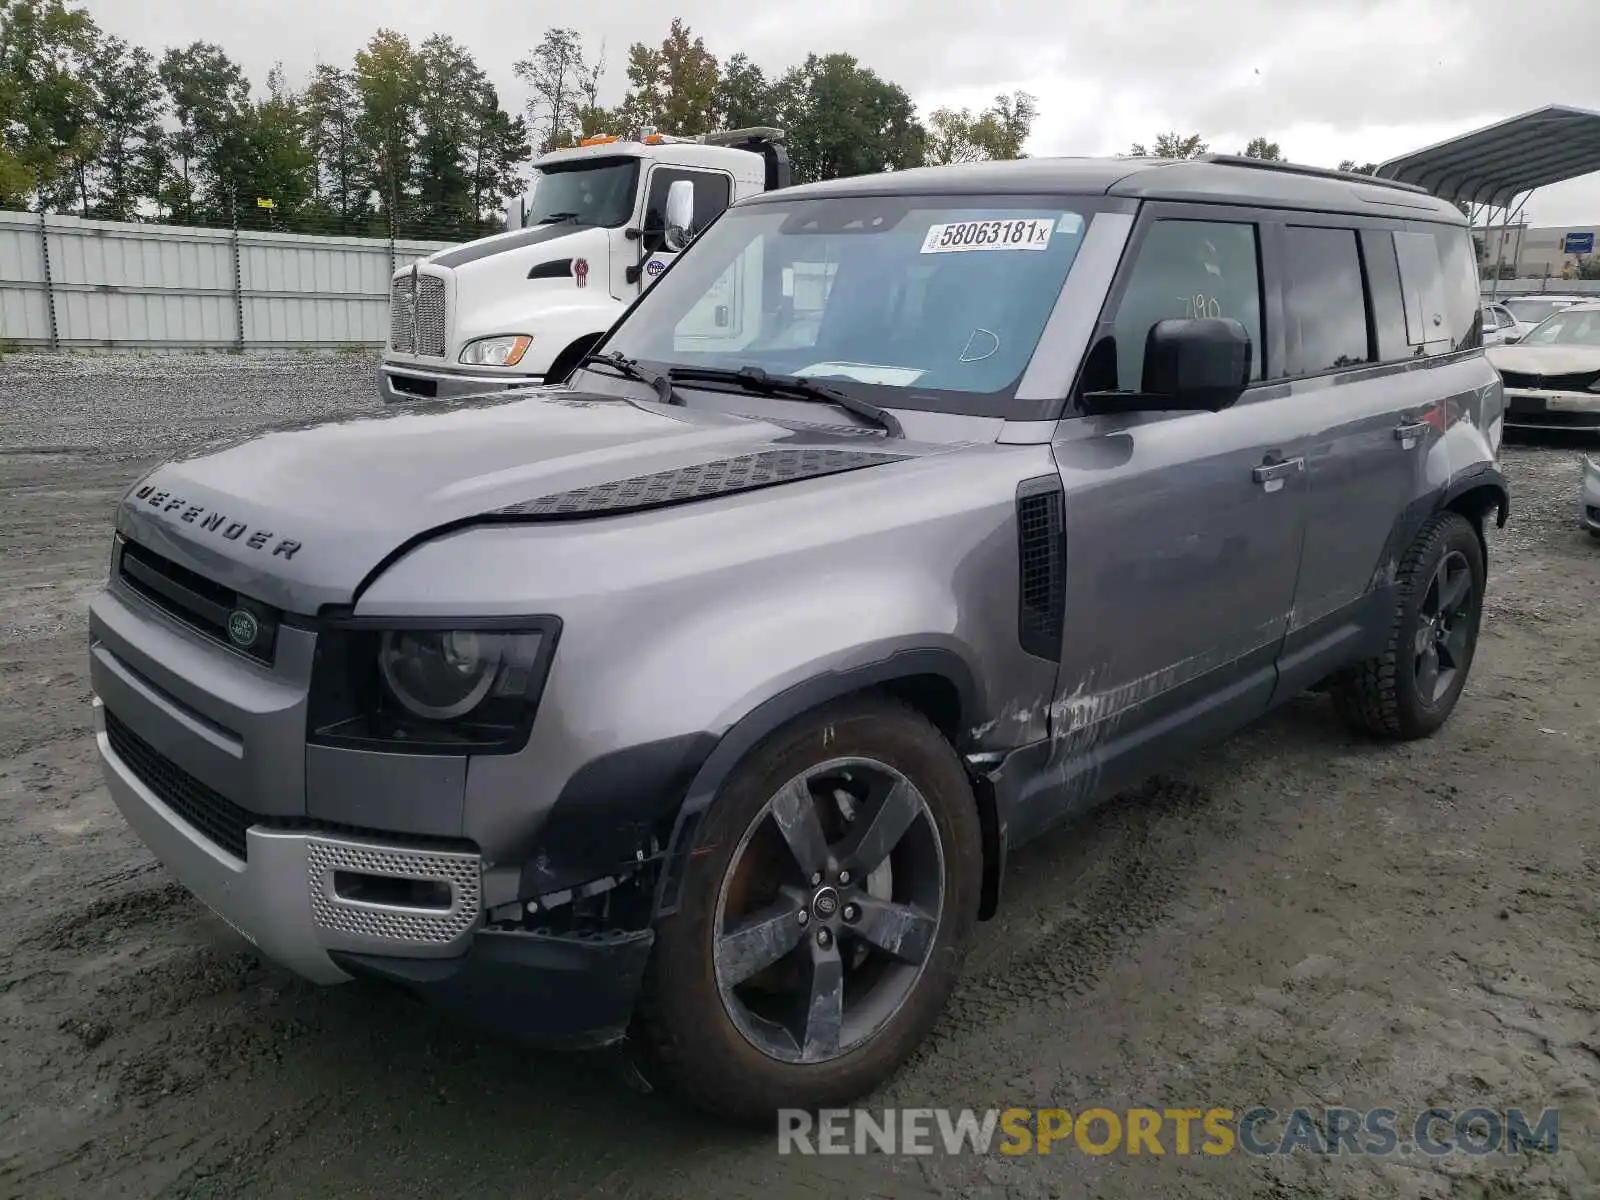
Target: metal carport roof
x,y
1495,164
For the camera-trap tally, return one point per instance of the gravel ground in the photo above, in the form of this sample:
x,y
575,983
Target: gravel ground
x,y
1294,917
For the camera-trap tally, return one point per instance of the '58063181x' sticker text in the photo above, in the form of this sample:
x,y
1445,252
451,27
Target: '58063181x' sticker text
x,y
1011,233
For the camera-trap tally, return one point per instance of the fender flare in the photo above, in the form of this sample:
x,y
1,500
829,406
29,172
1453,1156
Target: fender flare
x,y
1477,477
777,711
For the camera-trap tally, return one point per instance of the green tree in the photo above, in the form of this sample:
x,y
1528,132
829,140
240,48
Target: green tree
x,y
844,119
498,146
998,132
47,131
1267,151
128,106
1350,164
332,113
674,87
555,72
745,97
387,81
452,85
210,99
275,161
1172,145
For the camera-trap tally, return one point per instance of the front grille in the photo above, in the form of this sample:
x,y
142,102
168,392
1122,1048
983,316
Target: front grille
x,y
426,336
430,316
218,612
204,809
400,316
1041,552
1575,382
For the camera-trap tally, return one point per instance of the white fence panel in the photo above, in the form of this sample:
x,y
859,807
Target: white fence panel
x,y
114,285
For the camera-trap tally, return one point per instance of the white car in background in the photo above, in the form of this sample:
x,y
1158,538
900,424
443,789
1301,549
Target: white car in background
x,y
1498,324
1528,311
1552,376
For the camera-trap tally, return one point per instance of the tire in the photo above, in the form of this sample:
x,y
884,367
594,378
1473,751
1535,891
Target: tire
x,y
688,1027
1386,696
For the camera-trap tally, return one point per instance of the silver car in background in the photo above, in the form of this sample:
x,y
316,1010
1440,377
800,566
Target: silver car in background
x,y
1528,311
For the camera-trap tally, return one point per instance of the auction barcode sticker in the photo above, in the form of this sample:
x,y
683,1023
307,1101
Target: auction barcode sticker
x,y
1012,233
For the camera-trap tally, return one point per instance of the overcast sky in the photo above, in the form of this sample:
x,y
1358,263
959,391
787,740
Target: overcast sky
x,y
1326,79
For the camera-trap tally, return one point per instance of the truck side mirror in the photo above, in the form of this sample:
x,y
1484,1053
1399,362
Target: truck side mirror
x,y
680,214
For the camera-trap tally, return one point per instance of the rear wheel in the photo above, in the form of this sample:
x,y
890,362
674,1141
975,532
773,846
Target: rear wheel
x,y
823,919
1411,689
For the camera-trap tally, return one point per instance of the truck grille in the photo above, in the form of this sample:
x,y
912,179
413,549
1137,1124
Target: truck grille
x,y
217,612
205,810
422,333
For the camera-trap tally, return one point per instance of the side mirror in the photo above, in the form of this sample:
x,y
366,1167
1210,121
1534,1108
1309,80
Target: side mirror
x,y
1511,339
1195,365
680,214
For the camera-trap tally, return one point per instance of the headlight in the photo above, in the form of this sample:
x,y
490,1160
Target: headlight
x,y
505,350
429,687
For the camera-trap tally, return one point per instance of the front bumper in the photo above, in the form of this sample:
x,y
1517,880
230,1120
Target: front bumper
x,y
1589,496
293,895
402,382
1528,409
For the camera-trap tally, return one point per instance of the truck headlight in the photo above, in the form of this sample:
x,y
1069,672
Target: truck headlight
x,y
504,350
428,686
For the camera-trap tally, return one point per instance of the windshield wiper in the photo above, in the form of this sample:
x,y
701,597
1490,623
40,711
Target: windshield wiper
x,y
558,219
629,368
756,379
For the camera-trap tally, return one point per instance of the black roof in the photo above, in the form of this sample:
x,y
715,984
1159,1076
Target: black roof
x,y
1215,178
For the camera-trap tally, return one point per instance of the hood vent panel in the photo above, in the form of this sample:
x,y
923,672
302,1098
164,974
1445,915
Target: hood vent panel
x,y
703,481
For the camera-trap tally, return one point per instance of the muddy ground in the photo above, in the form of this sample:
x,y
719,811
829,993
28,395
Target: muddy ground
x,y
1294,918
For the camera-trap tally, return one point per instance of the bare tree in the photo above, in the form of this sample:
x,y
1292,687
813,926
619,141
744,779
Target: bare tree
x,y
557,75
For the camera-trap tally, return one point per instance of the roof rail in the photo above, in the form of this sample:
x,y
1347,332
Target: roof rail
x,y
1263,164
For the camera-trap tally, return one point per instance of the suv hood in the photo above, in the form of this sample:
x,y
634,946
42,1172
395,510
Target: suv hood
x,y
300,518
1544,360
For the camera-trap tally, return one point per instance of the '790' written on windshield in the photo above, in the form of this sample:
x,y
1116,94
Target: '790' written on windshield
x,y
1013,233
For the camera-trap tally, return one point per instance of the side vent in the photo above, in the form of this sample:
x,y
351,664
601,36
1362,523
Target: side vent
x,y
1042,563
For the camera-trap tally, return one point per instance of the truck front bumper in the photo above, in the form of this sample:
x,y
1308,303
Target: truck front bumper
x,y
403,382
305,898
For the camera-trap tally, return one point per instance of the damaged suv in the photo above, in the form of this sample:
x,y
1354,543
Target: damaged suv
x,y
696,703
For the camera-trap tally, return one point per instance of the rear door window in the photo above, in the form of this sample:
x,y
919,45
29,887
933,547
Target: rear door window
x,y
1325,303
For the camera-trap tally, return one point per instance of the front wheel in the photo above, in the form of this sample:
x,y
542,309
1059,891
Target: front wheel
x,y
1410,690
824,916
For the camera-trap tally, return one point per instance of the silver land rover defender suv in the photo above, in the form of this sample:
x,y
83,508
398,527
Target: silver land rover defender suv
x,y
695,704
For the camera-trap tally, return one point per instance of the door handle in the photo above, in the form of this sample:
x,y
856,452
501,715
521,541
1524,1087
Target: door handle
x,y
1408,435
1273,472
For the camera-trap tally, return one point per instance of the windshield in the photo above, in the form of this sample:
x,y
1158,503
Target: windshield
x,y
1570,328
1534,311
595,191
906,301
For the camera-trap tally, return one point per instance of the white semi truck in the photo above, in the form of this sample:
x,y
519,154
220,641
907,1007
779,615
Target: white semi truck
x,y
600,223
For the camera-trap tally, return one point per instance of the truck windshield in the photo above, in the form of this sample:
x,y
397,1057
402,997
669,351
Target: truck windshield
x,y
929,302
594,191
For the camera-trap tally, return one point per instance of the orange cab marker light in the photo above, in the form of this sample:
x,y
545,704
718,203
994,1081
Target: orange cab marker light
x,y
598,139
